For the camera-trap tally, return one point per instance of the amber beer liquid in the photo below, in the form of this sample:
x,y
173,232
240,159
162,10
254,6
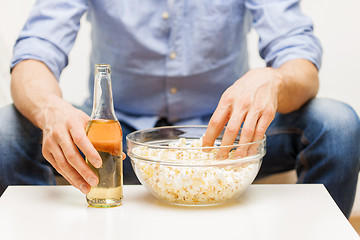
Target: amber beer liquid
x,y
105,133
106,136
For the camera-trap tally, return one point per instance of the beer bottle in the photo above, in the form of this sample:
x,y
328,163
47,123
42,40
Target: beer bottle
x,y
105,133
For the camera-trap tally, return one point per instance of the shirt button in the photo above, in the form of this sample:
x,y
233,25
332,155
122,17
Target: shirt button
x,y
165,15
173,90
172,55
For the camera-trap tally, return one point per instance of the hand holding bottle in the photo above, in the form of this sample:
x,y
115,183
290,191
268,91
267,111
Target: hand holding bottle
x,y
64,133
62,124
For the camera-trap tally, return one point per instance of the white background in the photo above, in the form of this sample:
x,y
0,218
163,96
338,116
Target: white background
x,y
336,25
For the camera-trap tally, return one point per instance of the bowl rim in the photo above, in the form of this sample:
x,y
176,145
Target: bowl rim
x,y
203,163
187,147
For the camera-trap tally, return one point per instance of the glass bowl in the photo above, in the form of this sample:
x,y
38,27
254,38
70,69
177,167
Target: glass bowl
x,y
172,165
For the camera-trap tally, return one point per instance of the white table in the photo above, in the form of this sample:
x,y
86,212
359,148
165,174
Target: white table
x,y
263,212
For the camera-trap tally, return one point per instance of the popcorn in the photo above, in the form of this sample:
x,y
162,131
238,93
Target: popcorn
x,y
192,176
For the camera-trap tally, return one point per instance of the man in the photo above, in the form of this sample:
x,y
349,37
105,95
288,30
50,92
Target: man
x,y
179,62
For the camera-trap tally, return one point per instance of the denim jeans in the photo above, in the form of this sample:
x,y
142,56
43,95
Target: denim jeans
x,y
321,141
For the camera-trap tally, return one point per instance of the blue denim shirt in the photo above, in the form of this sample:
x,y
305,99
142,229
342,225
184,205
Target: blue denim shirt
x,y
170,58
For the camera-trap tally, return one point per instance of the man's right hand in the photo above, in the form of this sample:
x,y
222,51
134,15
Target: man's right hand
x,y
63,134
37,95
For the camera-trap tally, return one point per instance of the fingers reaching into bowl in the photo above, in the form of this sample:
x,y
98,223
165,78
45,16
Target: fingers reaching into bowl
x,y
251,102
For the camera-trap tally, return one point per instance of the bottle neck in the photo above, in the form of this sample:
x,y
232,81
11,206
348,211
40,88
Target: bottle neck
x,y
103,107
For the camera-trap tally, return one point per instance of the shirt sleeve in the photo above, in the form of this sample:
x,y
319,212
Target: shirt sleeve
x,y
285,33
50,33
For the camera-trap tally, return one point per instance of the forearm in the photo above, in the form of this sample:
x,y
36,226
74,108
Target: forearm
x,y
33,88
299,83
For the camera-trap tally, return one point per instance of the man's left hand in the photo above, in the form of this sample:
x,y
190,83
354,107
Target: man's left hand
x,y
252,101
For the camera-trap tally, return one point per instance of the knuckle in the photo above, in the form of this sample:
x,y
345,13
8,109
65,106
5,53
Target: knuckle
x,y
46,143
62,164
81,167
86,173
245,103
214,123
78,138
77,181
232,130
269,112
83,116
257,110
45,153
260,132
226,93
227,97
69,122
246,131
235,117
71,156
56,134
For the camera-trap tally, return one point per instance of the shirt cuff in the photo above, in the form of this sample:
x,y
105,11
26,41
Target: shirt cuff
x,y
305,47
41,50
292,55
